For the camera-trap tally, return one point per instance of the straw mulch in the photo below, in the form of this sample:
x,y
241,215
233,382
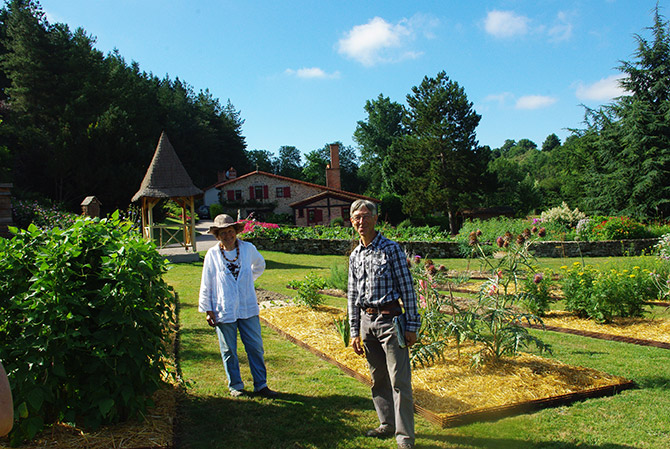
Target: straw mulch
x,y
451,386
653,329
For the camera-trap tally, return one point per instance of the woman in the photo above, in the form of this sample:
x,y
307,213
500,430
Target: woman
x,y
228,298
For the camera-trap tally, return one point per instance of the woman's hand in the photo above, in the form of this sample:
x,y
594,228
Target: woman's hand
x,y
211,319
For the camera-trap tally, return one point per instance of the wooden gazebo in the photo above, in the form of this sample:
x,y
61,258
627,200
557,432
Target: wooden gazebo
x,y
166,178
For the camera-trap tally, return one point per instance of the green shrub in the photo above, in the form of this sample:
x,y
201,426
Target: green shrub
x,y
613,292
84,323
215,209
617,228
339,277
308,290
338,221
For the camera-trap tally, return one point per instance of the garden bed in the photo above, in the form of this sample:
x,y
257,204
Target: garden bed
x,y
646,331
450,392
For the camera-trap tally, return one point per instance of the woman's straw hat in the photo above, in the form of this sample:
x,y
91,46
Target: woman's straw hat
x,y
225,221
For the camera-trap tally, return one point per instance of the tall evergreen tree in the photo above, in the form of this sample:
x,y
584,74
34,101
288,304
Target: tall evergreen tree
x,y
443,163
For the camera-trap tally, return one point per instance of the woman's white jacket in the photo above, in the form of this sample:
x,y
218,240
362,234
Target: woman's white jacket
x,y
230,299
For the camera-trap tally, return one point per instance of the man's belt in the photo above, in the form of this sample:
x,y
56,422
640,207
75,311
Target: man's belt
x,y
390,308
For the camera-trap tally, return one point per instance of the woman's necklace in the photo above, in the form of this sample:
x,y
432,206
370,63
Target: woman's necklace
x,y
223,252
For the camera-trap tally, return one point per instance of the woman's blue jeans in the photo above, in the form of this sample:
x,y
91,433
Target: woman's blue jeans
x,y
250,334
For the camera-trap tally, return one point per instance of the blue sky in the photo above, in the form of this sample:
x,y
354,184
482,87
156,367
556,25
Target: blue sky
x,y
300,72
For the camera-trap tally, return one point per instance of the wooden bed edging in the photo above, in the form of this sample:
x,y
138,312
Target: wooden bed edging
x,y
487,414
602,336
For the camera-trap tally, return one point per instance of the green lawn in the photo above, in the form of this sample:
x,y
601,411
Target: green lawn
x,y
321,407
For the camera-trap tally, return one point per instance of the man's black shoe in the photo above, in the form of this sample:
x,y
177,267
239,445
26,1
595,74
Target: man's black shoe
x,y
267,393
380,432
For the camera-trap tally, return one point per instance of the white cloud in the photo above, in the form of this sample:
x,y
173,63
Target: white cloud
x,y
602,90
506,24
379,41
534,102
501,98
311,72
562,30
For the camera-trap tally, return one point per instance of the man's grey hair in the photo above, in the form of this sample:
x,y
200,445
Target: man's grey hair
x,y
359,204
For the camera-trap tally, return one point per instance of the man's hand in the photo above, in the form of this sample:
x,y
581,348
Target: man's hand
x,y
358,347
211,319
410,338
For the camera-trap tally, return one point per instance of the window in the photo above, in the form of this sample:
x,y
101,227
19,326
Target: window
x,y
345,213
301,213
234,195
283,192
258,192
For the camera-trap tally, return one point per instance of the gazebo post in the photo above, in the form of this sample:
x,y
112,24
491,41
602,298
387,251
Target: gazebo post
x,y
193,239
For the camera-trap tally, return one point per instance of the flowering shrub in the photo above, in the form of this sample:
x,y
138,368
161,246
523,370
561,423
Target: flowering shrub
x,y
603,295
663,247
563,215
44,217
616,228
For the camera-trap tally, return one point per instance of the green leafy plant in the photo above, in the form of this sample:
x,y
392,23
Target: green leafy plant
x,y
563,215
339,277
616,292
308,290
496,322
85,319
343,327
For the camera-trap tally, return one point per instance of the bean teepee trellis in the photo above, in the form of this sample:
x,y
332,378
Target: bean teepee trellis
x,y
167,178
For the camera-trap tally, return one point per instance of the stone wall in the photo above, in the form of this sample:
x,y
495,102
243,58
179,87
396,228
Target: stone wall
x,y
448,250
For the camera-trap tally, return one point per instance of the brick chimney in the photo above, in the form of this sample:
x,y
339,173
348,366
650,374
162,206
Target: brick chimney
x,y
333,169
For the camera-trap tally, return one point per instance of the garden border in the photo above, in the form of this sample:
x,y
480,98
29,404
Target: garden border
x,y
602,336
487,414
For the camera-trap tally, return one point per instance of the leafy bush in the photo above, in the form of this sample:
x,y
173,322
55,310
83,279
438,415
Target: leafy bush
x,y
537,287
339,277
338,221
84,323
215,209
617,228
615,292
563,215
308,290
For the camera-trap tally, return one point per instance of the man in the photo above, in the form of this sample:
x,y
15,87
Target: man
x,y
379,279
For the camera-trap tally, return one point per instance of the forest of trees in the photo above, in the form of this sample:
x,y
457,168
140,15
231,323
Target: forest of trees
x,y
75,122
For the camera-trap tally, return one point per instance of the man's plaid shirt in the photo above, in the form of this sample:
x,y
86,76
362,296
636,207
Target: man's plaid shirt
x,y
379,274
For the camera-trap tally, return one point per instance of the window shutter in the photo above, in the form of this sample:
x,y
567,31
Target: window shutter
x,y
251,192
318,216
287,192
231,195
266,194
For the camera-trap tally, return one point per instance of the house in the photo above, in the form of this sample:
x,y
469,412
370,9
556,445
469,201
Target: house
x,y
263,193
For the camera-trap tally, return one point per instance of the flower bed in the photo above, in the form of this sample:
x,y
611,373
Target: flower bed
x,y
450,392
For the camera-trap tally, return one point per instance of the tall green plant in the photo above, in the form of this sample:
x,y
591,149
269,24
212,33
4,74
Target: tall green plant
x,y
497,321
85,319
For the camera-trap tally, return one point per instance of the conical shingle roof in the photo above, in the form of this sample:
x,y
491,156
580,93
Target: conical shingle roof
x,y
166,176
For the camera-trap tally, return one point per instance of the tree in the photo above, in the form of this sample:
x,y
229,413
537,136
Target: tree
x,y
262,160
375,136
552,141
314,170
316,161
443,164
632,143
288,162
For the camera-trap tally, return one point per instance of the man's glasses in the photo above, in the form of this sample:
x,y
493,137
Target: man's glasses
x,y
359,218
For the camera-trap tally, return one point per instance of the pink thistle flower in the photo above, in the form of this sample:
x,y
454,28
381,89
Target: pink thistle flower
x,y
538,278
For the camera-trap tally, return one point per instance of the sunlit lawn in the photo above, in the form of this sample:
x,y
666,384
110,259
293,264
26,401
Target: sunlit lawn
x,y
321,407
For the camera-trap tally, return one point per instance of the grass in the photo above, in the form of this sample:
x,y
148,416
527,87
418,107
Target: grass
x,y
321,407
